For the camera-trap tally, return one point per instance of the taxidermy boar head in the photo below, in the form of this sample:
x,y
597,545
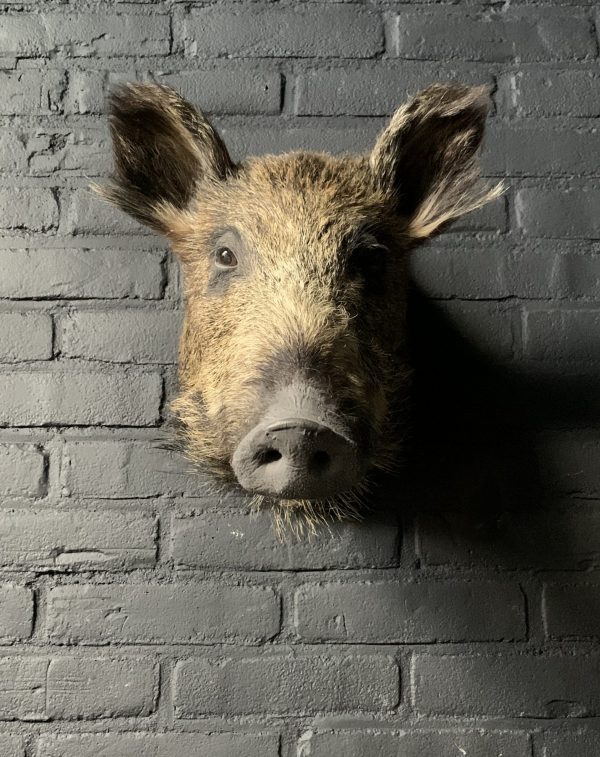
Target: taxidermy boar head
x,y
292,365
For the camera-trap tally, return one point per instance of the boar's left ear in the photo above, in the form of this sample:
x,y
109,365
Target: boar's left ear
x,y
163,148
427,157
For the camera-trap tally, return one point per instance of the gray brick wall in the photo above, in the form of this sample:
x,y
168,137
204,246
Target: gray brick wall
x,y
143,615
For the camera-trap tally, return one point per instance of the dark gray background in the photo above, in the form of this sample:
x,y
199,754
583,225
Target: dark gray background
x,y
140,616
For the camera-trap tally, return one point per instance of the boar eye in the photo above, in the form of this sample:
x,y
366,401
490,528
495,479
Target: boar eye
x,y
368,263
224,258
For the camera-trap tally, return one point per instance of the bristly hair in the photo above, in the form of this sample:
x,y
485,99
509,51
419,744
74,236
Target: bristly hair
x,y
428,157
300,518
162,148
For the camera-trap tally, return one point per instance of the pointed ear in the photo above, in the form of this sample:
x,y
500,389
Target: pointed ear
x,y
428,157
163,149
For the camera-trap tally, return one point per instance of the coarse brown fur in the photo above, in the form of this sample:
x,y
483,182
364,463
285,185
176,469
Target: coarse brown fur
x,y
307,228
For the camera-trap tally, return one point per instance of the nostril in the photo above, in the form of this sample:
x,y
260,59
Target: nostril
x,y
267,456
320,460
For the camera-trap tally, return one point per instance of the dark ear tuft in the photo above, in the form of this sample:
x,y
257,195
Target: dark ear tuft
x,y
428,157
163,148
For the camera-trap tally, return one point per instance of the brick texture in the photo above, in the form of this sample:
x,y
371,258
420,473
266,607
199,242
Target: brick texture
x,y
16,612
55,539
571,610
80,274
163,745
521,34
121,336
12,746
99,688
177,613
303,32
246,541
66,398
22,470
375,612
284,684
146,613
572,744
25,336
539,686
443,743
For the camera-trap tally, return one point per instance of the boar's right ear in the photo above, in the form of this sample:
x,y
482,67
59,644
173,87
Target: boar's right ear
x,y
427,158
163,148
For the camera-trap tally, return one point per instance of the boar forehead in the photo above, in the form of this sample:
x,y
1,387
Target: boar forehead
x,y
295,204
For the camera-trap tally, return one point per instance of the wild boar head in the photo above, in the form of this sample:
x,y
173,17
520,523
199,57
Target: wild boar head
x,y
292,362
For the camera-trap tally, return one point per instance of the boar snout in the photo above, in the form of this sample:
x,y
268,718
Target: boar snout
x,y
297,451
295,458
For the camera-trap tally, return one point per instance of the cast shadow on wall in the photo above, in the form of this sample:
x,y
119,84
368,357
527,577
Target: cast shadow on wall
x,y
478,477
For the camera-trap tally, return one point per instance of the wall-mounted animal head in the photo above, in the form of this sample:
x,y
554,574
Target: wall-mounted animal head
x,y
292,358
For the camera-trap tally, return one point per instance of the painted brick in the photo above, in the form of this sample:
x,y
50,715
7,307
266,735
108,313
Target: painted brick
x,y
557,93
84,688
572,744
561,334
579,274
122,336
79,398
11,746
85,213
324,134
65,540
175,613
488,326
571,610
22,470
568,461
82,34
28,209
107,468
492,217
23,693
16,613
409,613
565,539
571,214
347,31
443,743
548,268
545,686
229,91
85,152
159,745
31,92
541,149
226,90
13,152
369,90
87,90
519,35
238,539
133,557
80,274
25,336
284,684
470,271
